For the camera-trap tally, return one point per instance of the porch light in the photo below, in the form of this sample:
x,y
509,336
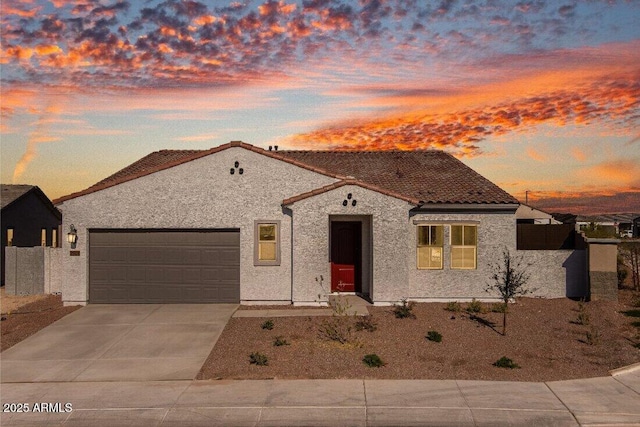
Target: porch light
x,y
72,236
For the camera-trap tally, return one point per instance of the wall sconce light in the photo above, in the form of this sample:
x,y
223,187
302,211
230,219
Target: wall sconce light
x,y
236,164
232,171
72,236
240,171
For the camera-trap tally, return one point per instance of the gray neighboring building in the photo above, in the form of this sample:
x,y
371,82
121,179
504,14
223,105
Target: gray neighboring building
x,y
28,219
241,224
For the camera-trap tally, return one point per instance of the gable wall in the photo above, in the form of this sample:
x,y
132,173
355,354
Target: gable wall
x,y
311,229
197,194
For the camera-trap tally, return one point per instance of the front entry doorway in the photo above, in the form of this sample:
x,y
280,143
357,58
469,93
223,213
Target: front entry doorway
x,y
346,256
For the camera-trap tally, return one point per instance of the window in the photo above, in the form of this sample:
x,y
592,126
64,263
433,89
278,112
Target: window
x,y
267,243
54,237
430,246
43,237
464,246
9,237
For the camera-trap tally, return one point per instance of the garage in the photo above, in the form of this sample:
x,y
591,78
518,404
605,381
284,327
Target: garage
x,y
164,266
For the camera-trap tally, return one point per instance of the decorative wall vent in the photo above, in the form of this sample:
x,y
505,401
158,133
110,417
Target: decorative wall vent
x,y
345,202
236,165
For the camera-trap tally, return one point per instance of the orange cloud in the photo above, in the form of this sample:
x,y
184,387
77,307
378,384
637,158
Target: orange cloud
x,y
578,154
536,155
616,172
444,116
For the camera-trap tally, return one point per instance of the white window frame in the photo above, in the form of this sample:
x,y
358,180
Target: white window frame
x,y
430,248
463,246
256,243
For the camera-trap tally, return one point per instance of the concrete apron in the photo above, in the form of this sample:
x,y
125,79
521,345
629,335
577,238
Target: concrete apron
x,y
128,342
610,401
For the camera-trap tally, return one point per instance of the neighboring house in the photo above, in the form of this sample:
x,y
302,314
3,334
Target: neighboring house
x,y
238,223
526,214
617,224
28,218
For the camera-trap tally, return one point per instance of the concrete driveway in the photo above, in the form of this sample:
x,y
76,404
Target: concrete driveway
x,y
132,342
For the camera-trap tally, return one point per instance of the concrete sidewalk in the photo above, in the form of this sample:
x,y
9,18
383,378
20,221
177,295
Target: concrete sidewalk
x,y
597,401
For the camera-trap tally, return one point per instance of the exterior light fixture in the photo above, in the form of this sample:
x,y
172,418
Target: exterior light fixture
x,y
72,236
353,202
232,171
349,196
240,171
237,163
344,203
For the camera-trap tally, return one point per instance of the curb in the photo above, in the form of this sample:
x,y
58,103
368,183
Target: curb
x,y
625,370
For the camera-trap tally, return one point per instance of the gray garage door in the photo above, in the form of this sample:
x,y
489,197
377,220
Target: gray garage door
x,y
153,266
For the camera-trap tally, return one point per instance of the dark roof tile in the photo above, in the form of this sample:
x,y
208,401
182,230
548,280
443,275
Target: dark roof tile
x,y
430,177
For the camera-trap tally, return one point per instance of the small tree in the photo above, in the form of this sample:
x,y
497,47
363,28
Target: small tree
x,y
509,278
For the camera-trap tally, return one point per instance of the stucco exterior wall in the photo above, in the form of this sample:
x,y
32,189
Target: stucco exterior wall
x,y
557,274
311,230
603,276
25,273
198,194
496,231
53,270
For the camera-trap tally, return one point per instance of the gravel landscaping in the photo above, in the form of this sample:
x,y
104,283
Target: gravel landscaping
x,y
549,339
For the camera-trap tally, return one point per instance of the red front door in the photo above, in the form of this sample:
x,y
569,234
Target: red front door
x,y
346,256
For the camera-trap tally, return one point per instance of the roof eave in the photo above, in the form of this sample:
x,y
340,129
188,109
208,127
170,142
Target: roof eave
x,y
467,207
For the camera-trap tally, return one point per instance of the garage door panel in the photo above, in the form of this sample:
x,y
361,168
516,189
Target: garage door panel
x,y
136,274
164,266
135,255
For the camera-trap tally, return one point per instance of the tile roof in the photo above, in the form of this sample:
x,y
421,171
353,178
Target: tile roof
x,y
429,177
9,193
432,177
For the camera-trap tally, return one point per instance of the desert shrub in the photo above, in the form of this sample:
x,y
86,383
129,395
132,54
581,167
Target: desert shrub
x,y
505,362
366,323
404,309
339,327
583,317
268,324
453,306
474,307
499,307
593,336
258,359
279,341
434,336
373,361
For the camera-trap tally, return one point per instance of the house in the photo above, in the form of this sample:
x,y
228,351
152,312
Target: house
x,y
238,223
615,224
28,218
526,214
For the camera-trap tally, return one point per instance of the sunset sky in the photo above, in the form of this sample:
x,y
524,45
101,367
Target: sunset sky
x,y
538,96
